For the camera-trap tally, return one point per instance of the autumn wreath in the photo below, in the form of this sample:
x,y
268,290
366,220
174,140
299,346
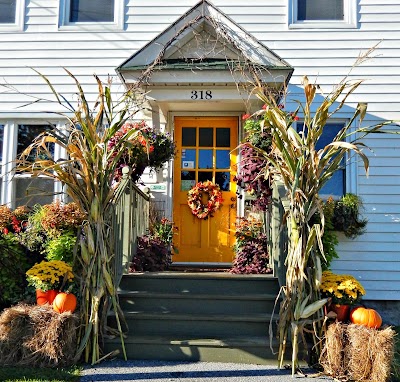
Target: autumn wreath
x,y
195,196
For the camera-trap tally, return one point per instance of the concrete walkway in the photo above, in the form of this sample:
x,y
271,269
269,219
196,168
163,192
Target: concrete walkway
x,y
164,371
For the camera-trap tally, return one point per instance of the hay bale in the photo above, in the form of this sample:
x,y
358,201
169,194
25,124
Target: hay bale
x,y
370,353
333,358
37,336
355,352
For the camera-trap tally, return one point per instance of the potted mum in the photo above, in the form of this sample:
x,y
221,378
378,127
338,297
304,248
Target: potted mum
x,y
343,291
48,278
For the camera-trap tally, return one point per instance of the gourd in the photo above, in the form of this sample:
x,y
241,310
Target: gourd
x,y
64,302
367,317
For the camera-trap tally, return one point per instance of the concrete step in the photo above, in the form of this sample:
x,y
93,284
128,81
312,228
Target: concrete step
x,y
199,283
198,325
237,349
215,316
194,303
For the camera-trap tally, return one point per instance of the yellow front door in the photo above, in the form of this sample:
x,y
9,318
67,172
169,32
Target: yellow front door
x,y
206,151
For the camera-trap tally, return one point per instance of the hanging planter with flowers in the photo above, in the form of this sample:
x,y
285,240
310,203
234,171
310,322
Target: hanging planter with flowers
x,y
195,199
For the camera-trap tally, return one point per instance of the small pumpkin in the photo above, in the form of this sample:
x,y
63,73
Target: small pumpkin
x,y
45,297
64,302
367,317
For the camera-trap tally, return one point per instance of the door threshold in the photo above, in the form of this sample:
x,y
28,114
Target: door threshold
x,y
200,267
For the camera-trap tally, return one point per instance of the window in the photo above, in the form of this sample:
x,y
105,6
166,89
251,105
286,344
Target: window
x,y
11,15
322,14
1,155
91,11
336,186
17,188
8,9
32,191
92,14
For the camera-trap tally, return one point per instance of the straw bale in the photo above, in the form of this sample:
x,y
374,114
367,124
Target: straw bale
x,y
355,352
37,336
332,356
370,352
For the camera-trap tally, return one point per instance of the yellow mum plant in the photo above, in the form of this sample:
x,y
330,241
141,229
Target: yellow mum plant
x,y
343,289
49,275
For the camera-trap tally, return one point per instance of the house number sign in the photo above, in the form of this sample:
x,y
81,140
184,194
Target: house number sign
x,y
201,94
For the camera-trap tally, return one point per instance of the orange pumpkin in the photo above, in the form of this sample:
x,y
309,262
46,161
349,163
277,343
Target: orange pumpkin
x,y
45,297
367,317
64,302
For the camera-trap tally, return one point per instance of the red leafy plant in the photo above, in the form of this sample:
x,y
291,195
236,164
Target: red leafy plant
x,y
251,248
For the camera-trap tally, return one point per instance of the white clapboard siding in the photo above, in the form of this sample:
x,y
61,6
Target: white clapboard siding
x,y
324,55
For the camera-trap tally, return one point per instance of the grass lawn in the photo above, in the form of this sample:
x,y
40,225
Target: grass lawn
x,y
28,374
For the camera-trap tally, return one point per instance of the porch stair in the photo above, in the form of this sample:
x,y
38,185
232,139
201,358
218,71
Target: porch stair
x,y
217,316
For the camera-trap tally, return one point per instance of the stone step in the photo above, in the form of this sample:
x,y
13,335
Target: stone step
x,y
196,316
237,349
199,325
198,303
216,283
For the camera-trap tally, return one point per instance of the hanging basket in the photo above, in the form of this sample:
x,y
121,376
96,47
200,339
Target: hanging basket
x,y
195,199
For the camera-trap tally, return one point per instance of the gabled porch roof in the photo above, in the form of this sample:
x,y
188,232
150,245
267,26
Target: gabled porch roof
x,y
205,42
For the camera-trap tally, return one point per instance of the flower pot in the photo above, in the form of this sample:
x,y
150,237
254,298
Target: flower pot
x,y
45,297
342,311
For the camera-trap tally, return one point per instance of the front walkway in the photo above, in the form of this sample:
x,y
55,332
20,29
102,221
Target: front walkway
x,y
165,371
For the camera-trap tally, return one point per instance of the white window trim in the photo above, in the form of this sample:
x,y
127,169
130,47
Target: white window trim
x,y
117,24
18,26
350,18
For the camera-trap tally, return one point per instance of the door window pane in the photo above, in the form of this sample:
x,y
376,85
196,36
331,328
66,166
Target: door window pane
x,y
222,179
205,175
91,10
206,138
320,10
223,137
7,11
189,136
188,159
205,159
223,159
188,180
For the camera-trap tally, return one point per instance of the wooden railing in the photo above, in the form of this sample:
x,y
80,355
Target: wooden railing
x,y
130,221
279,234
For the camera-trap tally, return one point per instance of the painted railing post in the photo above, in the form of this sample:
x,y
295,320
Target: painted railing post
x,y
279,234
130,221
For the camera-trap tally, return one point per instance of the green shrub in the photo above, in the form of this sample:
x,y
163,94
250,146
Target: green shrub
x,y
13,265
61,247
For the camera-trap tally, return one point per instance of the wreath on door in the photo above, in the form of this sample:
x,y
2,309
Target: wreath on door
x,y
195,199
